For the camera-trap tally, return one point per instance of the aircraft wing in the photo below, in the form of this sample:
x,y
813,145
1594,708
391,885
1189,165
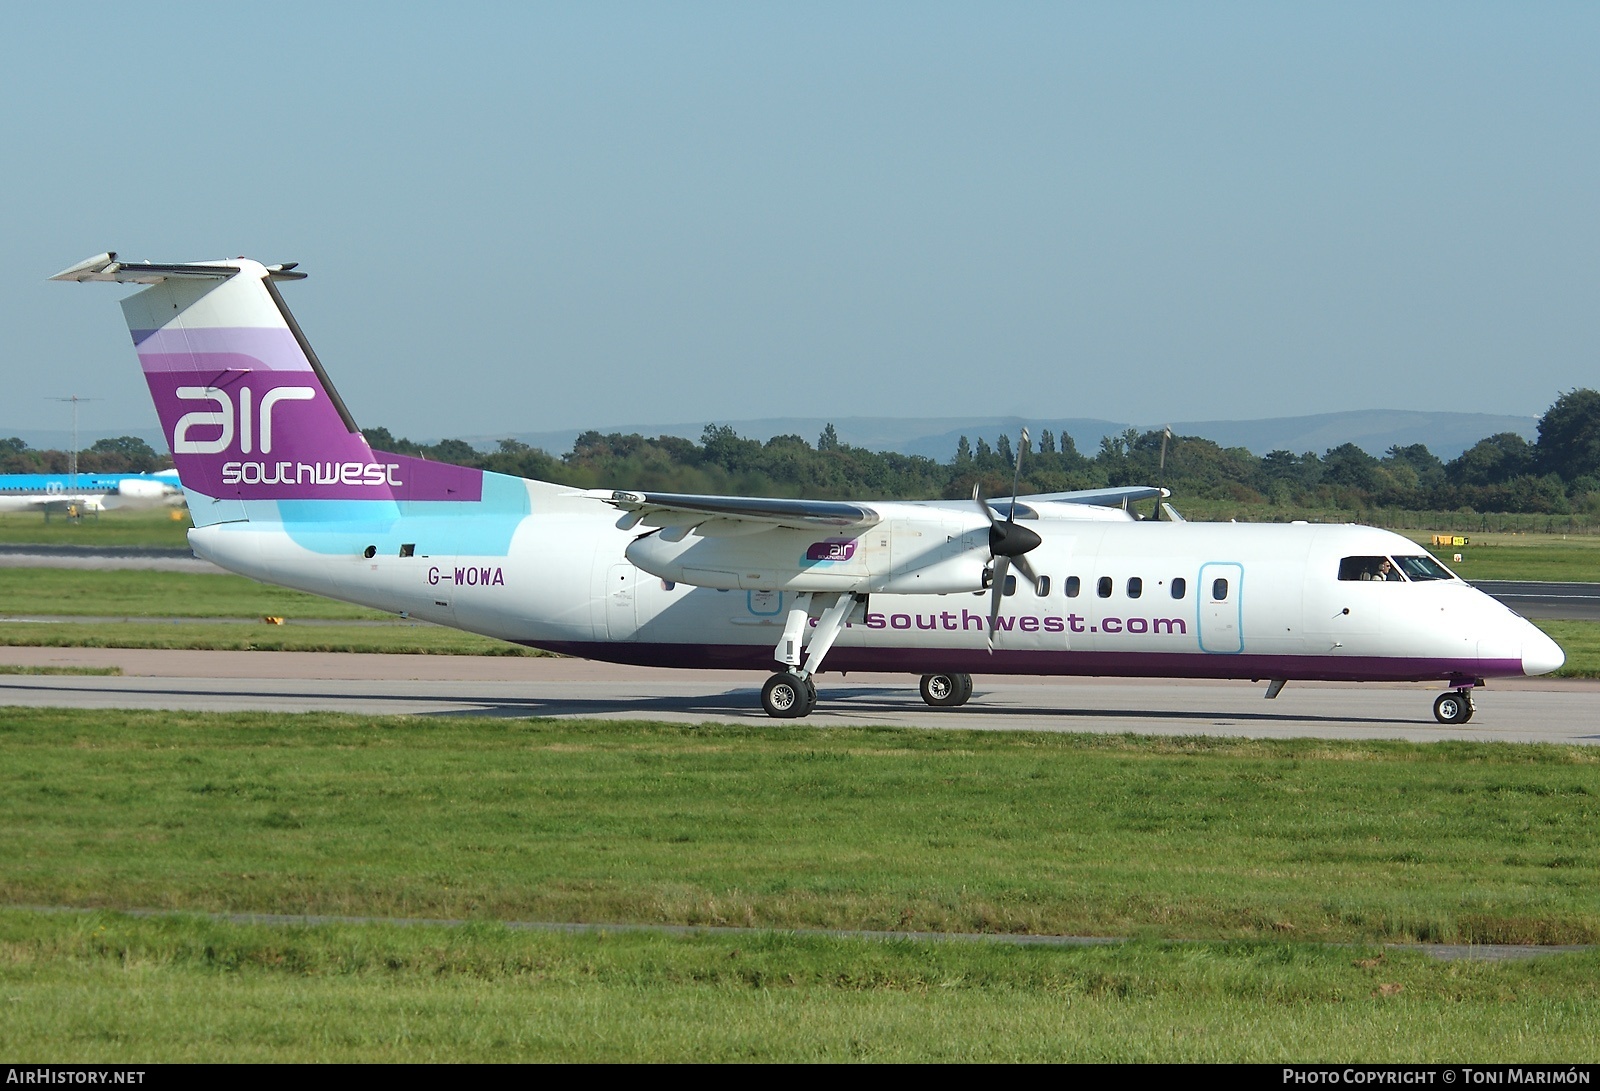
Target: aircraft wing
x,y
61,501
667,509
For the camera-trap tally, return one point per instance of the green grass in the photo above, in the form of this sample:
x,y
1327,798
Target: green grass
x,y
144,593
800,827
17,668
109,989
1521,557
402,638
149,528
1581,641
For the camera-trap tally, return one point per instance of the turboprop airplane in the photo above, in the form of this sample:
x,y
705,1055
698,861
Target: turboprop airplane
x,y
282,487
86,492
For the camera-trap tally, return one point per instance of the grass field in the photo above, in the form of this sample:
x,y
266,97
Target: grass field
x,y
104,672
150,528
800,827
1581,641
1258,849
400,638
1521,557
105,988
143,593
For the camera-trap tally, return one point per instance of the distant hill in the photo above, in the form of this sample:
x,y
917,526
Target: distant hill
x,y
1375,431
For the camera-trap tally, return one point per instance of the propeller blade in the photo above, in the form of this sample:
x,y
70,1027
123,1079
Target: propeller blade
x,y
983,505
1026,569
1016,478
1002,567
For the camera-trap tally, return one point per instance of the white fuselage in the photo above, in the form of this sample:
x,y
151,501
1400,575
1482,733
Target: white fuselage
x,y
1151,599
88,493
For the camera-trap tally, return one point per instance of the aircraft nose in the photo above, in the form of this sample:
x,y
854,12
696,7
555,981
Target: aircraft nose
x,y
1540,654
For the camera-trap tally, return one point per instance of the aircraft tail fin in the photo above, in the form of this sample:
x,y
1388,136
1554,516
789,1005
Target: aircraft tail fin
x,y
246,407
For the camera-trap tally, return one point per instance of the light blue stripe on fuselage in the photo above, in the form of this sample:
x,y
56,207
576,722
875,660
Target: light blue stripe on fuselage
x,y
51,483
481,528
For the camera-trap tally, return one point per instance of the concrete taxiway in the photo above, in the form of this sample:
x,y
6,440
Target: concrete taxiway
x,y
1519,710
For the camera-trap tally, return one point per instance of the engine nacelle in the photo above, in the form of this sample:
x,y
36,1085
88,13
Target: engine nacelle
x,y
774,560
932,556
141,488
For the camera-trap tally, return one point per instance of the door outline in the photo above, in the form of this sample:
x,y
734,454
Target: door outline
x,y
1221,622
622,592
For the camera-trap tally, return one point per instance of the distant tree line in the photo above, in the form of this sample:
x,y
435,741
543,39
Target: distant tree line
x,y
1557,474
122,455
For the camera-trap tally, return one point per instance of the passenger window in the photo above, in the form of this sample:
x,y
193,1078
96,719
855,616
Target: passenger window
x,y
1103,588
1219,590
1135,587
1180,587
1044,586
1074,585
1011,584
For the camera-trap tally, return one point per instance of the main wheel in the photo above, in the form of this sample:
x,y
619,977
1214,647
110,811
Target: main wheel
x,y
1453,708
787,696
946,690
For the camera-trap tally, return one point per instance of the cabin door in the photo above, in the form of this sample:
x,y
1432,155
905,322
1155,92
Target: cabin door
x,y
621,595
1221,610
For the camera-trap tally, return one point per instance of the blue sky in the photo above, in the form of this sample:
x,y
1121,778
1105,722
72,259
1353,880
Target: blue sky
x,y
524,217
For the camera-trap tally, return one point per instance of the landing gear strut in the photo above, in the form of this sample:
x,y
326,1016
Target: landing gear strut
x,y
1454,707
946,690
792,692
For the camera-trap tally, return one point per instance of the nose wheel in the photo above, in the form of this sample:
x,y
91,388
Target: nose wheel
x,y
946,690
1454,707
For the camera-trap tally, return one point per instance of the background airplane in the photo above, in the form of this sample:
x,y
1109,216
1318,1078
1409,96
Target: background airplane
x,y
283,487
88,492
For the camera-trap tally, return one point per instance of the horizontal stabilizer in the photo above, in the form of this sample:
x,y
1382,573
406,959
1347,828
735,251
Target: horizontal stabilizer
x,y
106,267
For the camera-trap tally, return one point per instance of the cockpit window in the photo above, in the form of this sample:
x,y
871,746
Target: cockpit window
x,y
1369,568
1423,567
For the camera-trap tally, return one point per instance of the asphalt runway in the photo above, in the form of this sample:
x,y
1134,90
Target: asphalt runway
x,y
1541,599
1518,710
104,557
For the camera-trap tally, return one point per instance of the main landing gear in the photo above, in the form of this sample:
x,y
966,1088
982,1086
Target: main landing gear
x,y
792,693
788,696
1454,707
946,690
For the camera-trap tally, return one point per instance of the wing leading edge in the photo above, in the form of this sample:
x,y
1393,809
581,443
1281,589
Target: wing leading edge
x,y
665,509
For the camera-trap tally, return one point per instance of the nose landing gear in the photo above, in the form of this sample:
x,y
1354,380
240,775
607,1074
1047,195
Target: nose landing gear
x,y
1454,707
